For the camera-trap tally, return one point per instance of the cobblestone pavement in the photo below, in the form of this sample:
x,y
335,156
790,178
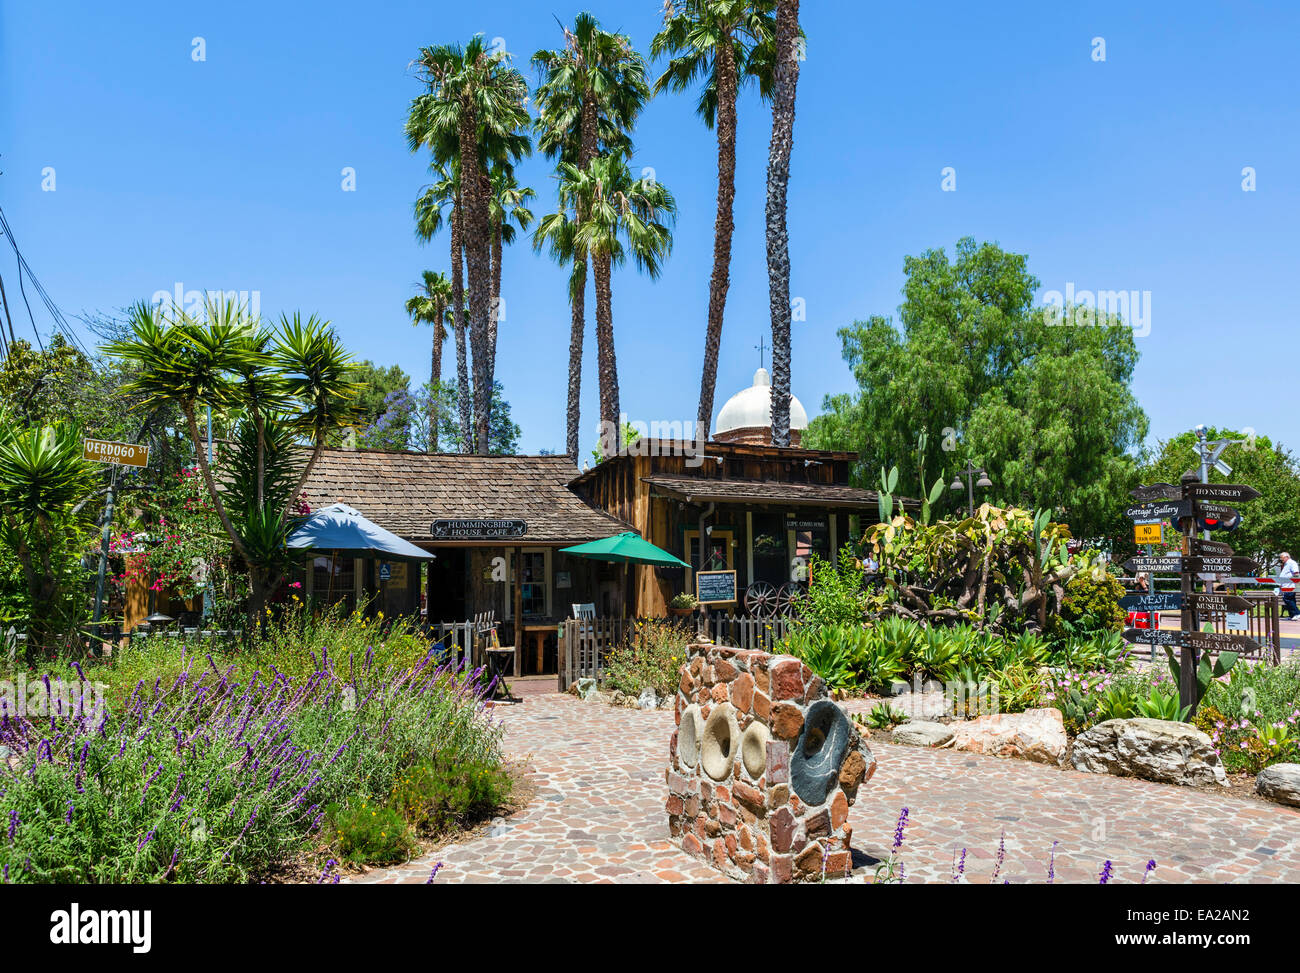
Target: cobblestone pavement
x,y
598,815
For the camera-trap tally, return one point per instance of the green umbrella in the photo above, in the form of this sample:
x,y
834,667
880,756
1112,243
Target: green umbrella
x,y
629,548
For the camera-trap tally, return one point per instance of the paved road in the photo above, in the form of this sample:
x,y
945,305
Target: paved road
x,y
598,815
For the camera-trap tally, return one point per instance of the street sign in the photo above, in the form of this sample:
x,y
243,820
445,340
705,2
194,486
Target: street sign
x,y
1221,492
1153,636
1216,511
1157,491
1200,548
1154,601
1172,564
120,454
1152,533
1217,603
1217,564
1159,510
1217,642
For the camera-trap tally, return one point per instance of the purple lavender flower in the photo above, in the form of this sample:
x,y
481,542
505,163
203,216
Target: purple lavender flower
x,y
433,874
1001,856
1151,867
14,821
1106,871
958,866
898,830
67,818
1051,864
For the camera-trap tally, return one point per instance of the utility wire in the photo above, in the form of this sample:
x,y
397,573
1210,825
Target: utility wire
x,y
60,322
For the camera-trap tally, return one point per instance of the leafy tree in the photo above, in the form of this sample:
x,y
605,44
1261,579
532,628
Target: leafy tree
x,y
392,430
503,433
1047,409
430,307
376,383
1269,524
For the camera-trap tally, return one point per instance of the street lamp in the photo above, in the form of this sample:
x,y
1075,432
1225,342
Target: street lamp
x,y
969,474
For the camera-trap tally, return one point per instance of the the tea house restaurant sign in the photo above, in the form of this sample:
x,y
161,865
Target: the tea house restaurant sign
x,y
477,530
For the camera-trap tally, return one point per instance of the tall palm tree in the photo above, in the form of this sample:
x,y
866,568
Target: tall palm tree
x,y
507,208
778,231
618,215
444,195
591,93
475,94
430,307
727,43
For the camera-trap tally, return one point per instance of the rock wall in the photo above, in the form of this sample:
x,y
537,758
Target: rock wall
x,y
763,768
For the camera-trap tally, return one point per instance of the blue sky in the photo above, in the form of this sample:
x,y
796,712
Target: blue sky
x,y
1117,175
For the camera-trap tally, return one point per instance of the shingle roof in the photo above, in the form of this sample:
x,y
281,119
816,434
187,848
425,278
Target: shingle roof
x,y
750,491
406,492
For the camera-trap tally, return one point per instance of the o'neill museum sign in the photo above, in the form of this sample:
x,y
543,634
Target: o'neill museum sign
x,y
477,530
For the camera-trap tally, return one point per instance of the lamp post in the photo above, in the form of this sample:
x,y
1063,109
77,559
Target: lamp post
x,y
969,474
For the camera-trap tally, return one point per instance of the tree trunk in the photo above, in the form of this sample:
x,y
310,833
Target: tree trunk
x,y
494,313
460,325
778,232
607,362
435,376
478,267
577,328
723,227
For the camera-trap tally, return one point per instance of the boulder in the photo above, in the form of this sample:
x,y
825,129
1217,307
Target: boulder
x,y
1281,783
1035,734
647,699
586,688
1165,751
921,734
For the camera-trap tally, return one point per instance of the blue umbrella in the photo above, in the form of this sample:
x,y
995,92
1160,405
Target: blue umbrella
x,y
342,529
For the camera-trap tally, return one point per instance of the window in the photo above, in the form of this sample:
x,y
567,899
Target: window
x,y
534,574
334,580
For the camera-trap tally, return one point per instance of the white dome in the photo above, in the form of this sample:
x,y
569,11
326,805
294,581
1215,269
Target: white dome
x,y
751,408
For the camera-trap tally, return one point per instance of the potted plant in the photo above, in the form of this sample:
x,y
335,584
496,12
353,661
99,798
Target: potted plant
x,y
683,605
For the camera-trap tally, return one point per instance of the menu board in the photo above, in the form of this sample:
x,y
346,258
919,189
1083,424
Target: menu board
x,y
715,587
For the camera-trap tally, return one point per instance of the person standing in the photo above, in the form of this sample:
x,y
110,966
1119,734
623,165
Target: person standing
x,y
1290,571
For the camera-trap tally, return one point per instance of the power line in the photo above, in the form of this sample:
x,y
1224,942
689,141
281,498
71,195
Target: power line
x,y
60,322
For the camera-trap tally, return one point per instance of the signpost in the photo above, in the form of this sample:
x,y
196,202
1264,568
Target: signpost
x,y
120,454
117,454
1195,501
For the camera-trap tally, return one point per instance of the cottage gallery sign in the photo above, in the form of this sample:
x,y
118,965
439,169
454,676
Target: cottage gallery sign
x,y
477,530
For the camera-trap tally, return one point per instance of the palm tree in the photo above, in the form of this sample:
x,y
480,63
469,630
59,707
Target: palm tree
x,y
615,208
592,91
475,94
430,307
727,43
507,209
444,194
778,230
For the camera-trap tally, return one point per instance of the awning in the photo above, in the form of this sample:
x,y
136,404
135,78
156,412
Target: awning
x,y
344,530
694,489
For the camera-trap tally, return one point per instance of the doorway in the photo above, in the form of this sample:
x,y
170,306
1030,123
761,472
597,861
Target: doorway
x,y
447,586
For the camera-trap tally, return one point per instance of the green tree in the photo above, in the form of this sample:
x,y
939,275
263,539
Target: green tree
x,y
1269,524
285,392
375,384
592,92
1047,409
503,432
725,43
430,307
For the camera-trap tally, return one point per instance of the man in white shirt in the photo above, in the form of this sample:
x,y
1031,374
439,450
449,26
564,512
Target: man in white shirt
x,y
1290,571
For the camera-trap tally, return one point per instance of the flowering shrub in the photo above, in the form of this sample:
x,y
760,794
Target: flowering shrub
x,y
1253,716
651,656
220,777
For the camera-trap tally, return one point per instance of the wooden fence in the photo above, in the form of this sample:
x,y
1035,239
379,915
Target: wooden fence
x,y
1263,624
586,642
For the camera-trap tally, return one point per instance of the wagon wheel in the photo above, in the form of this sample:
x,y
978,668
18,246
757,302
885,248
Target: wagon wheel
x,y
785,598
761,600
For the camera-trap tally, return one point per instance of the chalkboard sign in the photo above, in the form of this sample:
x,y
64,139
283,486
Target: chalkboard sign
x,y
715,587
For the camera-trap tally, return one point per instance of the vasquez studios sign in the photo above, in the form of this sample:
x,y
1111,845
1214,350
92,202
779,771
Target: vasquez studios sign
x,y
477,530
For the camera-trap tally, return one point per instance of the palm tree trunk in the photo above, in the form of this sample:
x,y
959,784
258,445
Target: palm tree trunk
x,y
778,231
459,323
607,362
494,314
723,227
478,267
435,376
578,298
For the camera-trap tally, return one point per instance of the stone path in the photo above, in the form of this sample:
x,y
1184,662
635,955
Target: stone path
x,y
599,817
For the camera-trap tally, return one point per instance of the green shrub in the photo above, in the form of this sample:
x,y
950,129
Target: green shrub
x,y
828,650
1092,603
447,794
652,656
835,594
370,834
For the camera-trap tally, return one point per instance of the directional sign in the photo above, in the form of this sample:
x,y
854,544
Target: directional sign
x,y
1153,533
1162,510
1157,491
121,454
1155,601
1218,642
1217,603
1221,492
1200,548
1153,636
1173,564
1217,564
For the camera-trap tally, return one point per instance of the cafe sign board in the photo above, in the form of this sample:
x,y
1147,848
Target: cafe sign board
x,y
120,454
477,530
715,587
